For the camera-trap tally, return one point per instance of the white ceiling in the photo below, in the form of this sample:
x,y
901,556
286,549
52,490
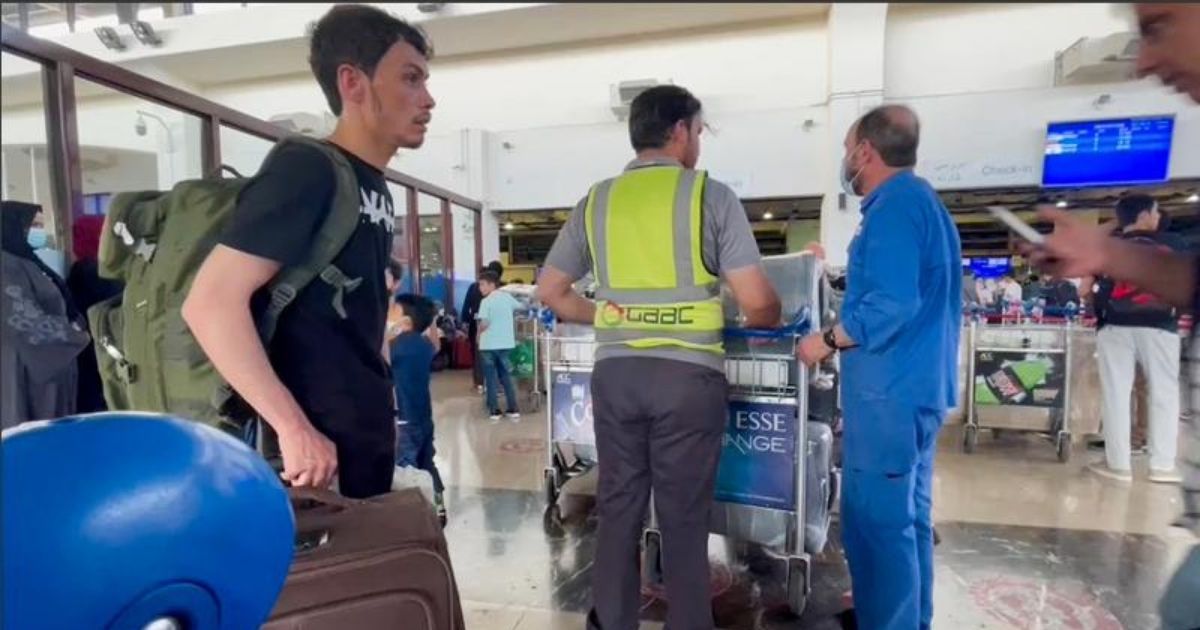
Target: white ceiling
x,y
536,26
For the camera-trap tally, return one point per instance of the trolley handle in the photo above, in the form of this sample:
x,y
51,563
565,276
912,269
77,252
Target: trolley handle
x,y
799,325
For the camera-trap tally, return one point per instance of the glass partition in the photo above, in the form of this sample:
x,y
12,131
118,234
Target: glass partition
x,y
434,282
118,131
242,151
24,159
465,265
128,143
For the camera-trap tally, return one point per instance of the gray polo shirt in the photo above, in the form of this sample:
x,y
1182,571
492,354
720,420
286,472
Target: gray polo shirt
x,y
727,245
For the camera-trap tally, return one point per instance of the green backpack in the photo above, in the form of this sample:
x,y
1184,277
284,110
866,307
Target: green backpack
x,y
155,242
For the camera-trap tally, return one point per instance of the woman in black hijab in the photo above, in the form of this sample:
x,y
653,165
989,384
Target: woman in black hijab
x,y
42,331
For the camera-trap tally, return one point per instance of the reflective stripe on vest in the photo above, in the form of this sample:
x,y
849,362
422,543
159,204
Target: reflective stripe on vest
x,y
644,231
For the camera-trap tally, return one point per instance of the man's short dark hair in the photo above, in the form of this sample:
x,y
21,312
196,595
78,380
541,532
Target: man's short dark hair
x,y
894,131
358,35
418,308
496,268
656,111
396,268
490,277
1130,207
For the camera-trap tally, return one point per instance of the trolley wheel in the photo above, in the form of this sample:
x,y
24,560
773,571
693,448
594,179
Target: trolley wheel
x,y
551,487
552,522
797,585
1063,446
970,438
652,568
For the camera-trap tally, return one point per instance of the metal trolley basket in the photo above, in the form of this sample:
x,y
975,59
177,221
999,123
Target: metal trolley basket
x,y
1019,379
568,355
767,492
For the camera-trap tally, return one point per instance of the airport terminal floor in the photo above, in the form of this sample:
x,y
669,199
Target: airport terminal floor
x,y
1026,541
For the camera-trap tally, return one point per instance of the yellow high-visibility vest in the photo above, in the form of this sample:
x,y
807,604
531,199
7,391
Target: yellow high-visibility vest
x,y
644,230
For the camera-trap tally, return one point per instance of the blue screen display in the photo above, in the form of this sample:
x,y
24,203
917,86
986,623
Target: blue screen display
x,y
1108,152
985,268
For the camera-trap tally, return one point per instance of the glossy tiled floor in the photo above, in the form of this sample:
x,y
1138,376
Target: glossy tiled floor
x,y
1027,542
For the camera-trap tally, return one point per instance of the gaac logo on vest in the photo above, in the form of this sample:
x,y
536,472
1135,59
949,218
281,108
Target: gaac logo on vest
x,y
613,315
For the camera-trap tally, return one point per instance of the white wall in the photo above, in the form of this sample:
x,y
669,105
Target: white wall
x,y
728,70
759,154
980,76
952,49
569,85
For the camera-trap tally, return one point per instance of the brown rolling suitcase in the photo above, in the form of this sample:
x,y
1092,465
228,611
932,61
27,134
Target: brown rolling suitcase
x,y
367,565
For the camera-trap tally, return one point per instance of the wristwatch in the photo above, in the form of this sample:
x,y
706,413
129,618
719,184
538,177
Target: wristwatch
x,y
830,340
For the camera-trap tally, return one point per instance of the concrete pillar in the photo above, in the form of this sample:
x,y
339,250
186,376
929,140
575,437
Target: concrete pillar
x,y
471,178
856,74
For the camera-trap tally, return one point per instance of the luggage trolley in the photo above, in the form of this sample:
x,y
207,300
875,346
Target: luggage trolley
x,y
568,354
775,484
1019,378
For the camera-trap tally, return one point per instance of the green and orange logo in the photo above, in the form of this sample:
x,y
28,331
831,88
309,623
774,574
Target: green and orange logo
x,y
611,314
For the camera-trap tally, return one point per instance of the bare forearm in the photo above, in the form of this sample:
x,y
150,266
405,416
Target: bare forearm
x,y
766,316
573,308
1171,276
230,339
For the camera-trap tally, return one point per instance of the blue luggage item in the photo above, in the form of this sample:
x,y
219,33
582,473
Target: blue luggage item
x,y
118,520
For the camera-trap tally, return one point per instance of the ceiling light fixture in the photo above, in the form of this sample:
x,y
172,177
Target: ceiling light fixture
x,y
1062,203
145,33
510,226
768,215
110,38
1194,198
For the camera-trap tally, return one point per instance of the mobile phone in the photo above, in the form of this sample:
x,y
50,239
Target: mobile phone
x,y
1014,223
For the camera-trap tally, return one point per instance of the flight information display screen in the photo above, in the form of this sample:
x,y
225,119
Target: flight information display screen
x,y
985,268
1108,152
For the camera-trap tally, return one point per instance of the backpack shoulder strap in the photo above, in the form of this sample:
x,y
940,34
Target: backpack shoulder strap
x,y
330,239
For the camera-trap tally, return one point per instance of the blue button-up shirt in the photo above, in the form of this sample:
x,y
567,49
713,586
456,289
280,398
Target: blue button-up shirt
x,y
903,307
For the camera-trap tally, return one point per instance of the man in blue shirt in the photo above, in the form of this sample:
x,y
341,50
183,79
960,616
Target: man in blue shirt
x,y
900,325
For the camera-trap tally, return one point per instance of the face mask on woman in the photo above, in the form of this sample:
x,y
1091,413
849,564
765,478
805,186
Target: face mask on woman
x,y
38,239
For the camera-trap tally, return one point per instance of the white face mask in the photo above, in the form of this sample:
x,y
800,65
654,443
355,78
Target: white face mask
x,y
848,180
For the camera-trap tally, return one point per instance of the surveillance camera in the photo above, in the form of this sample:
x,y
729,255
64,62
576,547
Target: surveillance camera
x,y
140,126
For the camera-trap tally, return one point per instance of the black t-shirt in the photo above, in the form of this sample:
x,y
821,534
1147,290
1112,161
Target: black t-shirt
x,y
333,366
1122,304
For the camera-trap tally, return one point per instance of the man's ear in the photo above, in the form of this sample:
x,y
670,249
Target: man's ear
x,y
680,132
351,84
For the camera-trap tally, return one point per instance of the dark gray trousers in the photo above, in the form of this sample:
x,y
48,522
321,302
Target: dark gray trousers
x,y
658,424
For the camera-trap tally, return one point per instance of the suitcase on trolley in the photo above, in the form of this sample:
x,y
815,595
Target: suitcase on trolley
x,y
820,486
367,565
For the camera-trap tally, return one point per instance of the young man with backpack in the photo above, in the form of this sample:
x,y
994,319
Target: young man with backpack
x,y
1136,327
321,382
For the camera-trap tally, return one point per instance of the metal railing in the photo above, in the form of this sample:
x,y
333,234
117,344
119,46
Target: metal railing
x,y
61,66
